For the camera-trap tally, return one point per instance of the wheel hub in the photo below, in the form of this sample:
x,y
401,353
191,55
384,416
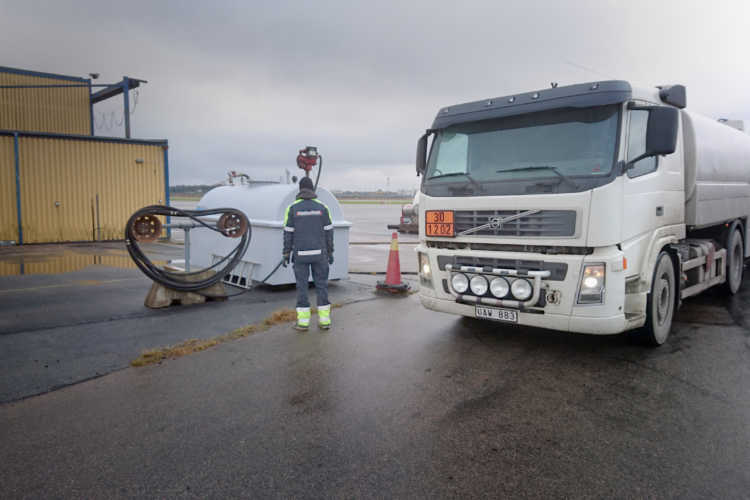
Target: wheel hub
x,y
663,300
736,264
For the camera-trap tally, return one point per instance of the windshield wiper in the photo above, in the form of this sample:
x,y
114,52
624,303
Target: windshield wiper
x,y
452,174
543,167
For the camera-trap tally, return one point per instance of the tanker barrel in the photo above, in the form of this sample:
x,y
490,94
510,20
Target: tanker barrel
x,y
410,210
717,177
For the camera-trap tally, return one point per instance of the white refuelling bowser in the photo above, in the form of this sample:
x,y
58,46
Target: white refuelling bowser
x,y
265,207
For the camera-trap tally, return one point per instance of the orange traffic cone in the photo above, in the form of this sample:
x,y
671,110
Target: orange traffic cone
x,y
393,283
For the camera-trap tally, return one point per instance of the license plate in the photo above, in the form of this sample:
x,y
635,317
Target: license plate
x,y
407,220
439,223
497,314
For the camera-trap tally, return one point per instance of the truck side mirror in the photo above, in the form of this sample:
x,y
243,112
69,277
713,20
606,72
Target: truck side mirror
x,y
661,134
422,154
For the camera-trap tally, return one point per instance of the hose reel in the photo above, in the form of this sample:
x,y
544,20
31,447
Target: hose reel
x,y
232,225
144,226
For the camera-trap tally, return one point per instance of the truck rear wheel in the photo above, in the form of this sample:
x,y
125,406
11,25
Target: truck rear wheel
x,y
660,305
735,260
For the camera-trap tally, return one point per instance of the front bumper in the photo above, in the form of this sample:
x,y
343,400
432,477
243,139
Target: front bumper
x,y
563,322
562,314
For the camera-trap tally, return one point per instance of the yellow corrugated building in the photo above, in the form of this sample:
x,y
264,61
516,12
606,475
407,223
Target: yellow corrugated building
x,y
42,102
60,183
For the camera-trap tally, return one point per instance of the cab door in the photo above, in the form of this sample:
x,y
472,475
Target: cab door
x,y
653,192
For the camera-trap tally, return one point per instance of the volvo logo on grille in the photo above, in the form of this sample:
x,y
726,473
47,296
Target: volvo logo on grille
x,y
496,222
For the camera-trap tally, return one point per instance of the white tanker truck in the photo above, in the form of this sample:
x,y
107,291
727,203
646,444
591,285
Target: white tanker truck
x,y
592,208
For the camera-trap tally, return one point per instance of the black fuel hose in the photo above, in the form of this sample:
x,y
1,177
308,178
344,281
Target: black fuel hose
x,y
175,280
320,169
246,289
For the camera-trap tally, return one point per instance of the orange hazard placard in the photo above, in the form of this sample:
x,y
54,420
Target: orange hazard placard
x,y
439,223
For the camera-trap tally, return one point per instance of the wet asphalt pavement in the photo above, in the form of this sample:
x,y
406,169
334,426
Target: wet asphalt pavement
x,y
397,401
74,312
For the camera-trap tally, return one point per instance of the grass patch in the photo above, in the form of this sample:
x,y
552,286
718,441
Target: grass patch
x,y
186,347
280,316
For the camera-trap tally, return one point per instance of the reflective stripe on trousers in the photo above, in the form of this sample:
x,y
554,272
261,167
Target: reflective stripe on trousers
x,y
324,315
303,316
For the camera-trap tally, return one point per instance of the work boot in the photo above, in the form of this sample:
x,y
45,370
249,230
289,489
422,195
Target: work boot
x,y
324,317
303,319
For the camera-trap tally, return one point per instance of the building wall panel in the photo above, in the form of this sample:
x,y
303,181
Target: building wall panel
x,y
61,110
61,178
10,268
8,213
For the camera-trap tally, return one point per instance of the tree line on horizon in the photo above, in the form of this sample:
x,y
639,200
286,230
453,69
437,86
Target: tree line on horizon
x,y
201,189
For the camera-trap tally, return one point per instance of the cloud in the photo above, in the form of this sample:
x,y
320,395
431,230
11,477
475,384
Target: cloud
x,y
243,85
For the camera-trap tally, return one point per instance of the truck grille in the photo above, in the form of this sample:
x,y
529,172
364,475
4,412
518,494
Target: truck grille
x,y
545,223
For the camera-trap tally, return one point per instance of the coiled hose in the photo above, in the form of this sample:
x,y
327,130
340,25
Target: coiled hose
x,y
177,281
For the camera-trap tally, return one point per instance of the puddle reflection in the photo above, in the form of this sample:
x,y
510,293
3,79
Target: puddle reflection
x,y
15,265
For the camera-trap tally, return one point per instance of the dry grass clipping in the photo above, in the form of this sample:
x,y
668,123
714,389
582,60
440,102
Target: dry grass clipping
x,y
159,354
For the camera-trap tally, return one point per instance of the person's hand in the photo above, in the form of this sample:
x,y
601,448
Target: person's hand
x,y
330,259
286,259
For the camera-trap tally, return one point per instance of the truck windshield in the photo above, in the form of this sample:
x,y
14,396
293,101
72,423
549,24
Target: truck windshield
x,y
558,151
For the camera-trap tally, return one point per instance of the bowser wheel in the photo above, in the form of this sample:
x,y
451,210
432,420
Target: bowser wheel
x,y
660,303
735,260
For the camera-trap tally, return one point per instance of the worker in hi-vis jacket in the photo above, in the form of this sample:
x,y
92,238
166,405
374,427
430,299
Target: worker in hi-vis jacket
x,y
308,243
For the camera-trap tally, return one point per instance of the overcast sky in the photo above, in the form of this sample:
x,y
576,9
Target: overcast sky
x,y
244,85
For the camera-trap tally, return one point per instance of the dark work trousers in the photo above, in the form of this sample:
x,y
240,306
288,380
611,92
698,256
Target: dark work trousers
x,y
320,278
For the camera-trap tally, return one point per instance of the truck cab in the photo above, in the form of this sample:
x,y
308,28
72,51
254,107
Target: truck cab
x,y
565,208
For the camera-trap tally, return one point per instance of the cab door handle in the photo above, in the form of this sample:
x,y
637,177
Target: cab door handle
x,y
660,210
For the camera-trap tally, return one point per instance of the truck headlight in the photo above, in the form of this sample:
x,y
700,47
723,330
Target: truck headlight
x,y
591,287
478,285
425,271
424,265
521,289
499,287
460,283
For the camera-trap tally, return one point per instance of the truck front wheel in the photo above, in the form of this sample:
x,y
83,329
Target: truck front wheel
x,y
660,305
